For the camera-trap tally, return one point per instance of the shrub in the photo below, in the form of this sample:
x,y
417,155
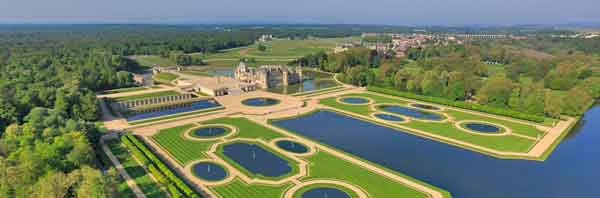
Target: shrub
x,y
461,104
164,169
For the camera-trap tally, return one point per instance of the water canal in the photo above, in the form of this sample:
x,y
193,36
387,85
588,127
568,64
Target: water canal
x,y
312,81
571,170
171,109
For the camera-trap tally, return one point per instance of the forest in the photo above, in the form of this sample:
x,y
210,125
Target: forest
x,y
529,77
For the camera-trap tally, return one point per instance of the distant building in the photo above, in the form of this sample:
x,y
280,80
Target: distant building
x,y
268,76
265,38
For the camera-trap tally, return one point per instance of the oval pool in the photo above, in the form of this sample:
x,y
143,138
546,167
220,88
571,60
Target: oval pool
x,y
206,132
410,112
260,102
325,192
355,100
482,127
209,171
292,146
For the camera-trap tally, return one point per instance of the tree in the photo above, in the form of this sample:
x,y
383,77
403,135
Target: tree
x,y
261,47
578,101
431,84
456,86
496,91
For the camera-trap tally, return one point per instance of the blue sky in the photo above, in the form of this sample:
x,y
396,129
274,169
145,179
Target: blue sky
x,y
393,12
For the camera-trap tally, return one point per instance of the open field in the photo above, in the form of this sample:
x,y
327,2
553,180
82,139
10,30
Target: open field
x,y
148,61
521,139
165,77
321,165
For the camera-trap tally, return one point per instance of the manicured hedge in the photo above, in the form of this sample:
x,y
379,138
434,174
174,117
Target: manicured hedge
x,y
460,104
135,151
173,191
157,174
164,169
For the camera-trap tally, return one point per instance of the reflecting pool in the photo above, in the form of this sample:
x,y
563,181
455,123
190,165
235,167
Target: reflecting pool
x,y
424,106
410,112
209,131
171,109
355,100
257,159
388,117
482,127
292,146
570,171
209,171
325,192
260,102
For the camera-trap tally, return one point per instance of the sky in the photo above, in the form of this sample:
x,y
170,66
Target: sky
x,y
389,12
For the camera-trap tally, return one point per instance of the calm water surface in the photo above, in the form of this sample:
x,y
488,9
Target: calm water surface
x,y
312,81
572,171
324,193
256,159
163,111
209,171
415,113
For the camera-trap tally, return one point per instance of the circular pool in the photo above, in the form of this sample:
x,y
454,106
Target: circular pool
x,y
260,102
388,117
482,127
209,132
426,107
209,171
325,192
355,100
292,146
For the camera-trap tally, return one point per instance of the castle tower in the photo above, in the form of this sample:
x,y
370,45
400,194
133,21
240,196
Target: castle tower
x,y
299,72
285,77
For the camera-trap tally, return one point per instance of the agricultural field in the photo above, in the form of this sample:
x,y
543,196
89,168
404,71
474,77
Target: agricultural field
x,y
521,139
320,165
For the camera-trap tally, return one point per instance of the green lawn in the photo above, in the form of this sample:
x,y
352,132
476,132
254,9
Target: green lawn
x,y
123,90
148,61
165,77
142,179
181,149
502,143
322,164
238,188
147,95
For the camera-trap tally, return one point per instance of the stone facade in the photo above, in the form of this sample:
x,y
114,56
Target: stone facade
x,y
268,76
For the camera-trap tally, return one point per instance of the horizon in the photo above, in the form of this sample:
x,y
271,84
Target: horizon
x,y
383,12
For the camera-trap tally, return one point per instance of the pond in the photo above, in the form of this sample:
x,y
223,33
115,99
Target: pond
x,y
257,159
424,106
292,146
209,171
388,117
355,100
410,112
325,192
570,171
260,102
209,132
482,127
170,109
312,81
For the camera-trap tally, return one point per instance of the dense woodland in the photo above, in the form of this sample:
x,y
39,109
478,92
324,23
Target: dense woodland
x,y
49,76
540,76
